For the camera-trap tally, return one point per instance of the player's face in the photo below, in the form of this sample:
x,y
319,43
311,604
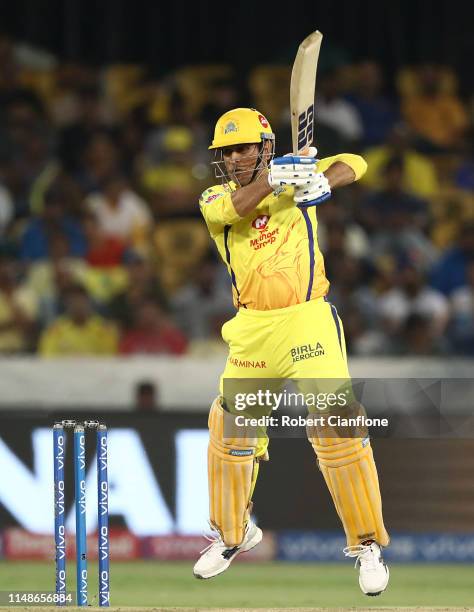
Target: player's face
x,y
240,162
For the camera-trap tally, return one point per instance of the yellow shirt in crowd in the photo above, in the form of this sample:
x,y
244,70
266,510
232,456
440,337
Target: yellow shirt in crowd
x,y
419,174
12,338
64,337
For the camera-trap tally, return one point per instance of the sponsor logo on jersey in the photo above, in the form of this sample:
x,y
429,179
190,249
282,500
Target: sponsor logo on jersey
x,y
208,196
266,236
247,363
230,126
264,239
306,351
263,121
260,223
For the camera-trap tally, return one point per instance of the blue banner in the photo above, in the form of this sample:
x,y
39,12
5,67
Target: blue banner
x,y
405,547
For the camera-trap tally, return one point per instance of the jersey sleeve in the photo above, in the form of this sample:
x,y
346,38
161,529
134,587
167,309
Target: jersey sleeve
x,y
356,162
217,208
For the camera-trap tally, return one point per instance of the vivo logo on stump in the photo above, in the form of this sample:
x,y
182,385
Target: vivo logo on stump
x,y
103,543
59,440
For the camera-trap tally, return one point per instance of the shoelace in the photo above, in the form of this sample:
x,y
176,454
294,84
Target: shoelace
x,y
363,554
213,540
216,539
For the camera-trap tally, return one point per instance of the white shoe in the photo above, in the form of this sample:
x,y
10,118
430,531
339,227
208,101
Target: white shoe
x,y
217,557
373,573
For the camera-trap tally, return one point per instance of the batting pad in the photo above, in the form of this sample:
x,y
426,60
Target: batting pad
x,y
349,470
232,474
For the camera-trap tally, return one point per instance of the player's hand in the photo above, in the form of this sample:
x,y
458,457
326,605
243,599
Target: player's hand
x,y
295,170
316,192
309,152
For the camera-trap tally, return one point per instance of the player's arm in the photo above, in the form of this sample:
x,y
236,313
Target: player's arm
x,y
343,169
217,209
220,207
331,173
249,197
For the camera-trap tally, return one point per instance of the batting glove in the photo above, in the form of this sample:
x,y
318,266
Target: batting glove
x,y
295,170
314,193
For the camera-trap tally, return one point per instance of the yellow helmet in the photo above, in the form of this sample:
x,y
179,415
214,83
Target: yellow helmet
x,y
239,126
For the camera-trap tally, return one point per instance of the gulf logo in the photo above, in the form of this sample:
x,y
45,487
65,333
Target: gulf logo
x,y
213,197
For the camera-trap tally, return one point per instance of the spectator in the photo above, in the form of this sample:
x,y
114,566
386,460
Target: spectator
x,y
415,206
26,141
6,211
379,278
377,112
395,220
203,305
152,333
120,212
361,327
419,173
142,284
224,95
438,118
103,250
18,310
36,240
412,297
146,400
416,338
79,332
362,340
464,175
462,306
338,235
171,180
100,161
450,272
336,112
74,138
48,278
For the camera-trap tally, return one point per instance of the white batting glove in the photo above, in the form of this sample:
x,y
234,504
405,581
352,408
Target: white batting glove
x,y
295,170
314,193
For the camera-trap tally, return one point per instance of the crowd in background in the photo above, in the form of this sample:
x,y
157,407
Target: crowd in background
x,y
102,247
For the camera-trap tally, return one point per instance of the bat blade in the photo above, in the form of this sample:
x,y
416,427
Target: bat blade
x,y
302,88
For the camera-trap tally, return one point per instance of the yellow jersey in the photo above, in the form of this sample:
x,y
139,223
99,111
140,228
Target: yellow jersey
x,y
64,338
272,254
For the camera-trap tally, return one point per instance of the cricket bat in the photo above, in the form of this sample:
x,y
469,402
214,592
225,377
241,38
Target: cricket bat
x,y
302,87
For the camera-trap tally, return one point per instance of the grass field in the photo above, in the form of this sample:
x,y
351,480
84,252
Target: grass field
x,y
266,585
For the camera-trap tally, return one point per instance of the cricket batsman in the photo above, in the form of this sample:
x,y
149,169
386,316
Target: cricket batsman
x,y
263,220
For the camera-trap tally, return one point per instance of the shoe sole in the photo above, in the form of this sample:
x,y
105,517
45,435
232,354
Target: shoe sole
x,y
378,592
257,538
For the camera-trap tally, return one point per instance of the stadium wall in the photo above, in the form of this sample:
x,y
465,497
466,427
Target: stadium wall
x,y
110,383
